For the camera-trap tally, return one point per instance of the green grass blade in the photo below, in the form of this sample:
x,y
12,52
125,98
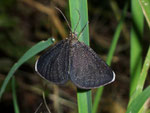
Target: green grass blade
x,y
142,77
145,5
110,55
84,101
116,36
144,73
81,6
83,96
16,107
30,53
97,98
139,101
136,46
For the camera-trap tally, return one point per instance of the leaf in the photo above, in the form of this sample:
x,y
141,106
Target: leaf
x,y
139,101
145,5
83,96
30,53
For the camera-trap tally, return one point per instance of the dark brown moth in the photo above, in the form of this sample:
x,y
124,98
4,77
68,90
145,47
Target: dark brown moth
x,y
72,60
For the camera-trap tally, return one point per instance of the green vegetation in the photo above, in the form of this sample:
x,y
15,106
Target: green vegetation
x,y
16,39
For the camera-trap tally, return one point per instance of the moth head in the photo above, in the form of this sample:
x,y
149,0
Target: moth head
x,y
73,35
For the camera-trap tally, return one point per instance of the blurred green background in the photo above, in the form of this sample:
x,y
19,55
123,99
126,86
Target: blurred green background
x,y
23,23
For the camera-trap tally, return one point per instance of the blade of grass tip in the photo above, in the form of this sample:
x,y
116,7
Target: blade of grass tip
x,y
139,101
15,103
30,53
135,45
83,96
110,55
145,5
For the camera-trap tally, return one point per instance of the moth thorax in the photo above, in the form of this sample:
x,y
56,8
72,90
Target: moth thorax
x,y
74,41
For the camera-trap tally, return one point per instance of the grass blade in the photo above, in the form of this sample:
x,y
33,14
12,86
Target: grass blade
x,y
136,46
97,98
144,73
81,6
16,107
110,55
116,35
145,5
139,101
83,96
30,53
84,101
142,78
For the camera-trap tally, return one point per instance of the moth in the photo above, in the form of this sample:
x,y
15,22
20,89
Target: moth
x,y
73,60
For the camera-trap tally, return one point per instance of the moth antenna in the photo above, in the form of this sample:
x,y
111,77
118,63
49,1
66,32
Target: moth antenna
x,y
64,18
78,20
83,29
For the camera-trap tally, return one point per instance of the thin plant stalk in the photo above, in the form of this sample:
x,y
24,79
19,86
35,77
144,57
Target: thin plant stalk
x,y
15,103
135,46
141,96
110,56
30,53
78,9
